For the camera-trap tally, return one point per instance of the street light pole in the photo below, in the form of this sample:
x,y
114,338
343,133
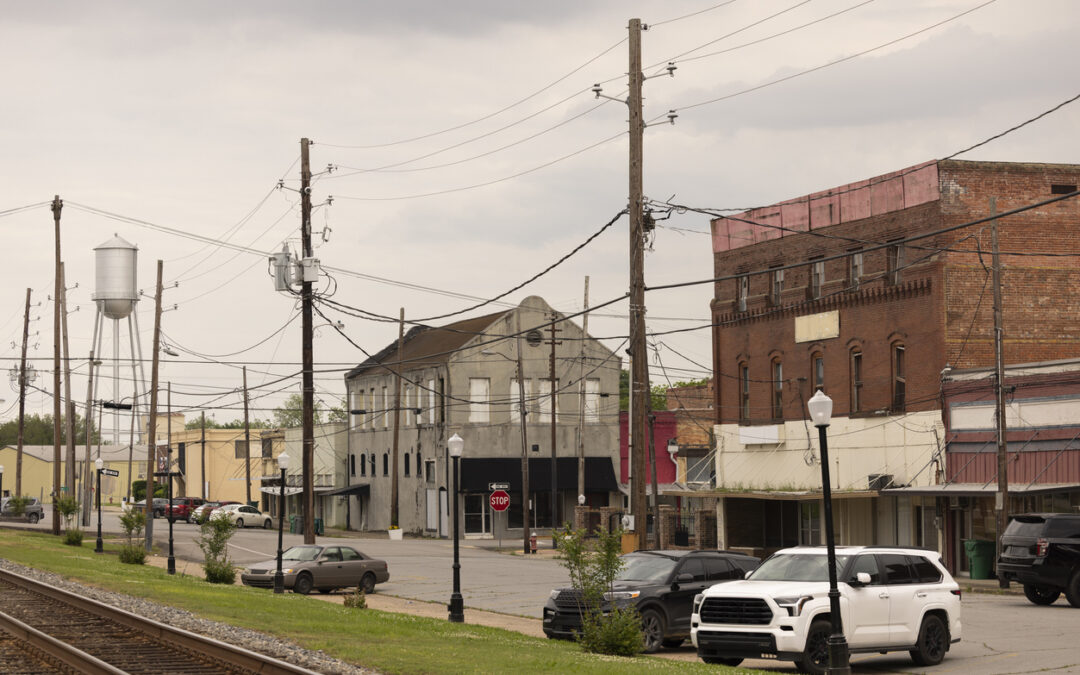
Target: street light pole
x,y
457,603
279,580
97,493
820,407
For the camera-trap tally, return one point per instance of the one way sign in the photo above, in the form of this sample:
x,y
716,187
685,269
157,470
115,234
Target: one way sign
x,y
110,472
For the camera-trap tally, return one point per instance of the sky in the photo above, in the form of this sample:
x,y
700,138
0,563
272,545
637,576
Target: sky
x,y
470,154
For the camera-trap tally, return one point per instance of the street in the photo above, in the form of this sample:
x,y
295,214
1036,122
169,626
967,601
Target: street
x,y
1002,633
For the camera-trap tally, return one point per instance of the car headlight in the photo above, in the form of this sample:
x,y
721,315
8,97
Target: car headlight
x,y
793,604
612,596
555,594
697,602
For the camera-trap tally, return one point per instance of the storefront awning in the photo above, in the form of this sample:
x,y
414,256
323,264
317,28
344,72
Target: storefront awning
x,y
477,472
786,495
358,490
977,489
289,491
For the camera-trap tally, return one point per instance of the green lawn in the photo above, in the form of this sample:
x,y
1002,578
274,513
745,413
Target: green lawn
x,y
389,642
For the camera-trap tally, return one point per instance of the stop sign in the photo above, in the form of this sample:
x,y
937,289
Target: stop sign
x,y
499,500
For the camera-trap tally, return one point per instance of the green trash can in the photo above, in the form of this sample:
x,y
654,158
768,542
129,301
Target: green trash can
x,y
319,526
292,523
980,555
299,525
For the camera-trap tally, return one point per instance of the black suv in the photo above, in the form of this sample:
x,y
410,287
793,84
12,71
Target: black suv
x,y
1042,551
661,584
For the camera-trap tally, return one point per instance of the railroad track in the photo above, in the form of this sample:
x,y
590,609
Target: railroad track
x,y
44,629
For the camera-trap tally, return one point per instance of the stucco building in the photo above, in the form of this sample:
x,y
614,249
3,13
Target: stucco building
x,y
462,378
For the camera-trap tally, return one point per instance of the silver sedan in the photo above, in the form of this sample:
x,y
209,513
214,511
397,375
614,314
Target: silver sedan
x,y
325,568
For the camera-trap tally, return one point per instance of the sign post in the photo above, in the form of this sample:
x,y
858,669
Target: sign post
x,y
500,501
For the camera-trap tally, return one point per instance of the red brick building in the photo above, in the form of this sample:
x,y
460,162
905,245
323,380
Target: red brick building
x,y
869,291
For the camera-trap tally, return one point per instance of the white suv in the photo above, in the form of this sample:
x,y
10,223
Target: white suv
x,y
891,599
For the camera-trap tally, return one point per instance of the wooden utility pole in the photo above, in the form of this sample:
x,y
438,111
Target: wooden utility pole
x,y
554,439
69,403
394,515
151,435
202,451
309,365
581,398
247,444
638,361
86,496
526,523
57,206
1002,502
22,397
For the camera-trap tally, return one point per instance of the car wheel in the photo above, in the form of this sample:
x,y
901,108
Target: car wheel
x,y
303,584
933,642
267,524
1041,595
33,518
815,656
652,629
1072,591
672,643
733,661
239,522
367,583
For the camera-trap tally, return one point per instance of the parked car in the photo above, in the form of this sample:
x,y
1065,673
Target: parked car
x,y
33,511
243,515
661,585
1042,552
891,599
181,507
201,512
160,505
325,568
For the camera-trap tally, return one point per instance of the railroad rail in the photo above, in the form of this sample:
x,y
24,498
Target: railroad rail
x,y
44,629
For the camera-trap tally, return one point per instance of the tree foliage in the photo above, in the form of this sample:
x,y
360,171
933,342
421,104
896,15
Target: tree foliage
x,y
291,413
38,430
211,423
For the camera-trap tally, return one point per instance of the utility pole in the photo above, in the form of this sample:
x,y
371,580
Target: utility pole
x,y
397,420
57,206
638,361
131,445
999,389
247,443
526,523
202,450
554,411
581,398
151,435
309,366
69,403
86,497
22,397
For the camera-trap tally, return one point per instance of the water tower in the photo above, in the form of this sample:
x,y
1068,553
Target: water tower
x,y
115,295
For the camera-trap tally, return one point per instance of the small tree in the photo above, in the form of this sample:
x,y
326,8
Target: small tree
x,y
133,521
214,535
607,627
68,506
17,505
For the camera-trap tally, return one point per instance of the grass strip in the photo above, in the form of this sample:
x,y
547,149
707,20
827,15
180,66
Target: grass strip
x,y
386,641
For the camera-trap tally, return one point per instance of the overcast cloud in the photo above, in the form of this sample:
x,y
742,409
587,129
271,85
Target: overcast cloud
x,y
186,115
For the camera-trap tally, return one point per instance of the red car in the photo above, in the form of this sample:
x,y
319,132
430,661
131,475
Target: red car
x,y
181,508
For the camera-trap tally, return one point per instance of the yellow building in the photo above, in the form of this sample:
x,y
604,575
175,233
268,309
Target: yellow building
x,y
37,469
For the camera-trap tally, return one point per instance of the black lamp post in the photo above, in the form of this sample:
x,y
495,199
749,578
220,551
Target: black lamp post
x,y
820,407
279,580
99,463
457,603
1,480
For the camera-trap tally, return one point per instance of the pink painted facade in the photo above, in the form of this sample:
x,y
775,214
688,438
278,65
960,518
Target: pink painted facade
x,y
664,429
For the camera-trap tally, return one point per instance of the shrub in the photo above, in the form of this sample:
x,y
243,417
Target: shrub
x,y
68,507
214,537
357,599
605,629
133,522
17,505
73,537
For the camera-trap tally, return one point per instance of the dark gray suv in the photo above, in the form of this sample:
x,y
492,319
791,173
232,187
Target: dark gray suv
x,y
1042,552
661,584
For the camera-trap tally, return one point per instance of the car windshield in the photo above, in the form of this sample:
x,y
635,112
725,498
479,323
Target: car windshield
x,y
301,553
645,567
796,568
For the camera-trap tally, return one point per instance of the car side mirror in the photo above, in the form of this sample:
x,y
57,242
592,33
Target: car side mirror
x,y
747,573
861,579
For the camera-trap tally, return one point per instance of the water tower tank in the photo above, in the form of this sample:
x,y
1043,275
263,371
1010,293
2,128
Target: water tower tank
x,y
114,275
